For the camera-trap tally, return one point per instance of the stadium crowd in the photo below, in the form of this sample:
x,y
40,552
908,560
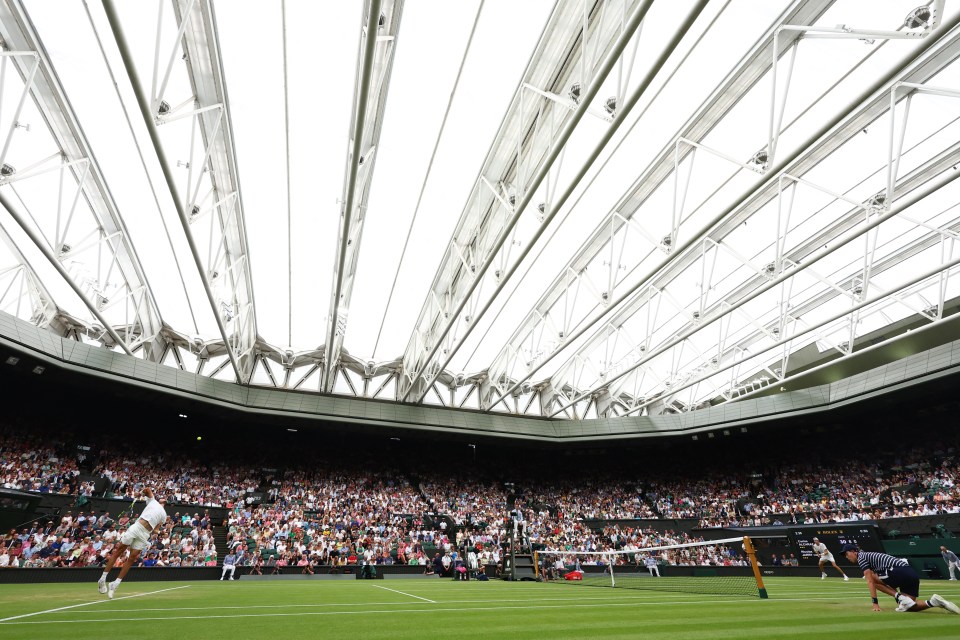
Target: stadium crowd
x,y
308,512
917,483
86,540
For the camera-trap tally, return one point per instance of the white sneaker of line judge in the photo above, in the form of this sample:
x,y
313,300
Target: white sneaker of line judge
x,y
905,603
944,604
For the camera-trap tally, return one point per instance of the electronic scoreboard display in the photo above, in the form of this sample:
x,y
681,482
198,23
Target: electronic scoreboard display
x,y
834,536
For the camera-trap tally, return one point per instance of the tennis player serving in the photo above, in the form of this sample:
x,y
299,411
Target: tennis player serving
x,y
136,538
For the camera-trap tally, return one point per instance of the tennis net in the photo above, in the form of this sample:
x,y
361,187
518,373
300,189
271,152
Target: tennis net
x,y
717,567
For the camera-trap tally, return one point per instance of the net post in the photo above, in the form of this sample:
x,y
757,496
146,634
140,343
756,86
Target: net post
x,y
752,554
536,565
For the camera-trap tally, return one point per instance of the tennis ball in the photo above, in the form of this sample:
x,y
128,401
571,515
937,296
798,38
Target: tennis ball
x,y
199,438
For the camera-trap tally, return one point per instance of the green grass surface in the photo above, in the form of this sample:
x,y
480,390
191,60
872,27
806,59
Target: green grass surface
x,y
433,608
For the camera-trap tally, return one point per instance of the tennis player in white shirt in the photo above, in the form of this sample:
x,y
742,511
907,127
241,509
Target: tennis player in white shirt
x,y
136,538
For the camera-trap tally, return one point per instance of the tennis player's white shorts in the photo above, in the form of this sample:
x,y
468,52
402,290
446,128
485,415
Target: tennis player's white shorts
x,y
136,537
827,557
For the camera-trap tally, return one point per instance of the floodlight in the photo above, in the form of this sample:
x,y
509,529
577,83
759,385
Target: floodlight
x,y
7,170
163,108
760,158
541,211
12,360
574,92
610,106
918,18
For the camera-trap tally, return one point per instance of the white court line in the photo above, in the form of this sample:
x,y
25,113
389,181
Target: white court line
x,y
404,594
686,597
430,610
85,604
327,605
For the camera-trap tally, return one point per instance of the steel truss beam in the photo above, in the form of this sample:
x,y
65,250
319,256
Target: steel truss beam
x,y
550,320
19,282
580,46
851,281
213,184
847,316
86,208
907,81
678,258
374,66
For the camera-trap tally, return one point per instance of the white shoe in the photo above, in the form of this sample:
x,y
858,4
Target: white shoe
x,y
953,578
102,586
944,604
221,578
846,578
231,577
823,576
111,589
905,603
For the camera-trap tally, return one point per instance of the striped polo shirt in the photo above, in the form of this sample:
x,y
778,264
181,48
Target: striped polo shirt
x,y
879,563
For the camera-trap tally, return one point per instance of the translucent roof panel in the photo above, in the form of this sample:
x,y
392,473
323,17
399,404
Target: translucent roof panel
x,y
502,42
524,236
287,230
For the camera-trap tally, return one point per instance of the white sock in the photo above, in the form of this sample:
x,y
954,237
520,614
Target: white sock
x,y
103,578
117,582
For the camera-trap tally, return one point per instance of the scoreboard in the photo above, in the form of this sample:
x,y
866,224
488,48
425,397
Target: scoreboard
x,y
834,536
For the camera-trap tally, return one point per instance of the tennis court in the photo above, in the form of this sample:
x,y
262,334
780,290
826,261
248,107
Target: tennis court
x,y
423,608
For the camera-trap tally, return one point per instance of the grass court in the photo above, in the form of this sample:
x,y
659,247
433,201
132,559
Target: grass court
x,y
434,608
